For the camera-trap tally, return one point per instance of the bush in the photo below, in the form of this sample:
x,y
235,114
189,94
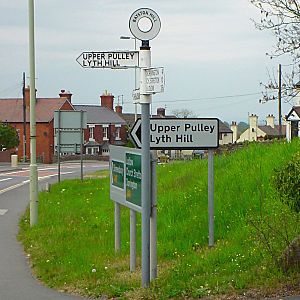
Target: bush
x,y
286,182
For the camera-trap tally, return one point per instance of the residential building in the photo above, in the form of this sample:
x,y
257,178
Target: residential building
x,y
104,126
292,119
257,132
16,112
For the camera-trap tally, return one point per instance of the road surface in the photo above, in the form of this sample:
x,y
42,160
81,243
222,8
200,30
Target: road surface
x,y
16,281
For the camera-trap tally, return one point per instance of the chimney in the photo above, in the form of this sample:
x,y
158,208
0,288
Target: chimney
x,y
27,96
234,129
253,125
66,94
161,112
119,109
107,100
271,121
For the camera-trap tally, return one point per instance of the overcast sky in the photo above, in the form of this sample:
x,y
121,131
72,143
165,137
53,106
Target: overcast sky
x,y
209,49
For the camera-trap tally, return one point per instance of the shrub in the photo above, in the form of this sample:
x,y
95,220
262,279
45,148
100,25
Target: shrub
x,y
286,182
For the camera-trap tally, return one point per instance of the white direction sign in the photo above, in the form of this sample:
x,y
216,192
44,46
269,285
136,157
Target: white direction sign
x,y
136,95
155,80
110,60
178,133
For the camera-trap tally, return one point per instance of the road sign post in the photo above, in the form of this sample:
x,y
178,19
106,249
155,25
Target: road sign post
x,y
145,100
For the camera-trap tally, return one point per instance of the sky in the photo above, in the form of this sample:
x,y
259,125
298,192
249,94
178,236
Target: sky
x,y
213,56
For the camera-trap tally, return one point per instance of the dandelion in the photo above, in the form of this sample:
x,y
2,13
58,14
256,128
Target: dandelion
x,y
94,270
105,268
47,260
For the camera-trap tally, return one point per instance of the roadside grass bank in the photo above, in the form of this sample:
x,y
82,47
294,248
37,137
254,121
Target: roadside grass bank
x,y
72,247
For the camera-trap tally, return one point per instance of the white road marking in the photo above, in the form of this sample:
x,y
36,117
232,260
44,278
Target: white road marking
x,y
52,175
5,179
13,187
3,212
27,181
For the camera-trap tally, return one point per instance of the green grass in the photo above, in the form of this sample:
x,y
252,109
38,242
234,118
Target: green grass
x,y
72,248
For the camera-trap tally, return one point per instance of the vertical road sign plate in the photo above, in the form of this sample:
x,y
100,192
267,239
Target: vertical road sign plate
x,y
155,80
133,178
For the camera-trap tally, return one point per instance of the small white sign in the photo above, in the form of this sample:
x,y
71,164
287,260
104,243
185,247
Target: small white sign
x,y
136,95
155,80
109,60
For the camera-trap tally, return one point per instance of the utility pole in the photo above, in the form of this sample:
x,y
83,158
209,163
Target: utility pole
x,y
279,100
33,165
24,119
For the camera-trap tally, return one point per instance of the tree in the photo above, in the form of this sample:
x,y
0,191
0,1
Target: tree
x,y
183,113
282,17
8,137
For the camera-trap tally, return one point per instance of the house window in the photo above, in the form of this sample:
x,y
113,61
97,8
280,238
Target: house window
x,y
118,133
105,133
253,130
91,131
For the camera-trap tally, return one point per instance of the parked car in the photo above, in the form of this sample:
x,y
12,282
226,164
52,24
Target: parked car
x,y
198,154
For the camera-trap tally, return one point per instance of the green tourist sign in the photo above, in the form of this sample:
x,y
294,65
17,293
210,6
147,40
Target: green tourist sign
x,y
117,169
126,176
133,178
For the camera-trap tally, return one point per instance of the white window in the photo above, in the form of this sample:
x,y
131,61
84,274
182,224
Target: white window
x,y
91,131
118,133
105,132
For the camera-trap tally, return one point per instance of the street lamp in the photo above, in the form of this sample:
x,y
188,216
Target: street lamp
x,y
135,71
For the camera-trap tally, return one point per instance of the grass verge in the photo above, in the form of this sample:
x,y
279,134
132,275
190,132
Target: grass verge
x,y
71,249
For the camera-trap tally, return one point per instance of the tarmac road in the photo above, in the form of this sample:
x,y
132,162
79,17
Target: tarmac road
x,y
16,281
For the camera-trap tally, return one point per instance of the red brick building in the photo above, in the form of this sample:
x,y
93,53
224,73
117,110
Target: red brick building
x,y
105,126
12,112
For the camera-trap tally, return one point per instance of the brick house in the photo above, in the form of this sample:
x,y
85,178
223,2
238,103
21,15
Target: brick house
x,y
104,126
12,112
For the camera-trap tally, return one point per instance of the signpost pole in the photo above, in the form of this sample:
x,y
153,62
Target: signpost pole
x,y
132,240
153,219
58,146
81,145
211,197
117,228
145,100
132,212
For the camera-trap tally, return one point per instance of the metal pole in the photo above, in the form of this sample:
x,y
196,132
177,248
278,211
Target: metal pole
x,y
132,212
132,240
279,100
145,100
117,228
81,145
33,166
58,146
153,219
211,197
